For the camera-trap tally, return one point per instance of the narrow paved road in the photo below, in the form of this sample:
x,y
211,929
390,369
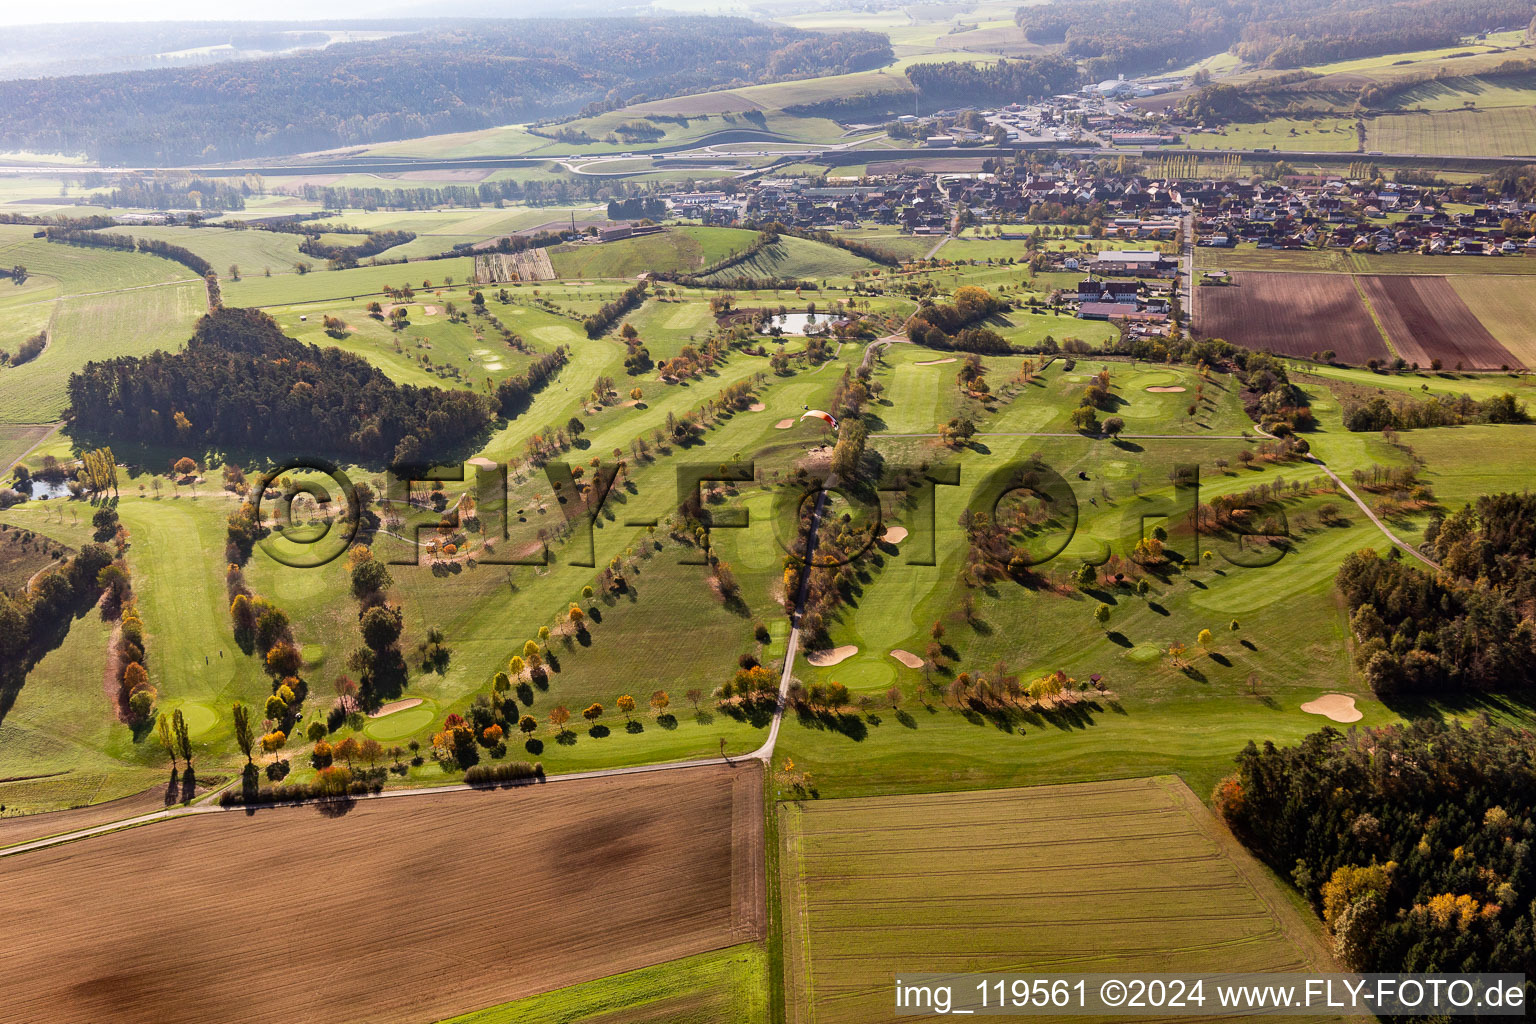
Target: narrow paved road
x,y
1383,527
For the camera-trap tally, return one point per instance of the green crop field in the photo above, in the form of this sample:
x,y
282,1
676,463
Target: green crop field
x,y
135,321
250,250
283,289
1332,135
797,258
1499,131
1123,876
729,984
675,250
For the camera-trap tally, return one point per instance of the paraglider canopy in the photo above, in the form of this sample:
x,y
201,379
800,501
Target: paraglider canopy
x,y
817,414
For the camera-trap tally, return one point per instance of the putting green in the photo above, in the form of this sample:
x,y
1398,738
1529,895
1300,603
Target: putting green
x,y
200,718
1143,654
402,723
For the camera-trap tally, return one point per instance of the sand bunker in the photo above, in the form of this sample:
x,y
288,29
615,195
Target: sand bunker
x,y
907,658
1337,706
783,424
935,362
396,705
429,310
1164,389
894,534
630,404
481,462
756,407
494,366
826,659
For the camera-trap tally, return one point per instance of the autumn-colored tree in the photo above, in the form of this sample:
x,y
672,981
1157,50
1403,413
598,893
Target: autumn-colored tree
x,y
659,701
163,729
593,712
1101,614
558,716
315,731
491,734
184,467
577,616
626,704
1204,639
275,709
283,659
322,755
371,750
245,734
274,741
694,695
347,749
528,724
500,683
893,695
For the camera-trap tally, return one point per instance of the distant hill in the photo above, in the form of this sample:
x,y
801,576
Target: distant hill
x,y
429,82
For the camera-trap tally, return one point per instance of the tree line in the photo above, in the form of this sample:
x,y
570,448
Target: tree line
x,y
241,383
1461,629
1007,81
612,312
1412,842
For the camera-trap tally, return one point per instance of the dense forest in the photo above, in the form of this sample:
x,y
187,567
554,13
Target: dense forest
x,y
1007,81
1413,842
241,383
1466,628
423,83
1129,36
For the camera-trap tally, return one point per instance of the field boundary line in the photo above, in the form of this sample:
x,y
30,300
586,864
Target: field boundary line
x,y
53,429
1365,300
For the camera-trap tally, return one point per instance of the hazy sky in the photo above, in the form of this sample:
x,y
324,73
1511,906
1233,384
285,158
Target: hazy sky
x,y
15,12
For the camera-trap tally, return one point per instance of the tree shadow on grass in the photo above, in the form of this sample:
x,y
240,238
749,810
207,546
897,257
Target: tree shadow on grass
x,y
1154,606
1221,659
534,747
1118,638
842,722
566,738
906,719
667,721
633,726
598,732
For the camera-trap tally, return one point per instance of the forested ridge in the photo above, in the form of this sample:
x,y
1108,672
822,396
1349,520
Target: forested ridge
x,y
426,83
241,383
1413,841
1468,627
1007,81
1128,36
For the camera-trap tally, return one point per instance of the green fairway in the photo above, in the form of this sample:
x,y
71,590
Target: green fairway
x,y
729,984
1099,877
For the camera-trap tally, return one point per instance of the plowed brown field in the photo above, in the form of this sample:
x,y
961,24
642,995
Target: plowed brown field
x,y
1293,315
409,909
1427,320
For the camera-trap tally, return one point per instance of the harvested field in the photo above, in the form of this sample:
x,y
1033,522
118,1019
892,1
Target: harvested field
x,y
1506,309
1130,875
450,903
1427,320
1293,315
